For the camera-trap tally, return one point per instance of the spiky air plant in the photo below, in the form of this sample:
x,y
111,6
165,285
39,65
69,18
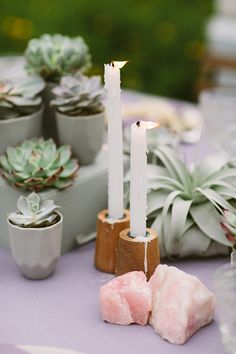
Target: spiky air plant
x,y
37,164
79,95
53,56
33,212
185,207
21,98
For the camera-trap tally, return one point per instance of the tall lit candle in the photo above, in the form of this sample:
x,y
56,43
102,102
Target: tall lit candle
x,y
138,177
115,140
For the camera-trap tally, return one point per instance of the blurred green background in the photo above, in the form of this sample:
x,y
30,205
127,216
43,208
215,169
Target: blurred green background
x,y
163,39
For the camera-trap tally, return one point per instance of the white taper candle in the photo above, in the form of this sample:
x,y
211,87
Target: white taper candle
x,y
115,140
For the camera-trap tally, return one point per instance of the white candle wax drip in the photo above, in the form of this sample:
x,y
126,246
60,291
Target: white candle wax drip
x,y
115,140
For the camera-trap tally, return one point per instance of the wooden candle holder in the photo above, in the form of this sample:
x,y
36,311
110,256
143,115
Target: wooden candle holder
x,y
107,240
137,254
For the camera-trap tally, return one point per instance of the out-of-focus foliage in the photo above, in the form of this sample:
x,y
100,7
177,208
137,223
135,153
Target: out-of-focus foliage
x,y
161,38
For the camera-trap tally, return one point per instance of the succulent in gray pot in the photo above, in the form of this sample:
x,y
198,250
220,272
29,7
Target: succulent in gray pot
x,y
51,57
20,111
35,233
80,115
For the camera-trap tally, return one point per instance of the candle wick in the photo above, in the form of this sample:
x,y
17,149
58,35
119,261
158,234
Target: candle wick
x,y
112,64
138,123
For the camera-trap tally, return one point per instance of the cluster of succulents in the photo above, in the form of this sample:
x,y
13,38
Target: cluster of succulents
x,y
52,56
33,212
20,98
79,95
37,164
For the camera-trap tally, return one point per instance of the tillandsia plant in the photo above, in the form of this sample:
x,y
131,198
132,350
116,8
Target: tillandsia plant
x,y
32,212
79,95
20,98
53,56
37,164
185,207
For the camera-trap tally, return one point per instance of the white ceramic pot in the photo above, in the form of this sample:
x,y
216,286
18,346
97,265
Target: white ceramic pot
x,y
85,134
14,131
36,250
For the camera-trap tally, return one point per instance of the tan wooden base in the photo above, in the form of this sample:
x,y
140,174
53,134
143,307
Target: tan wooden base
x,y
137,255
107,240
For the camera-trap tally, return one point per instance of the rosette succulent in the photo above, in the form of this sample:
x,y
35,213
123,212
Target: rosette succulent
x,y
52,56
20,98
32,212
37,164
79,95
186,206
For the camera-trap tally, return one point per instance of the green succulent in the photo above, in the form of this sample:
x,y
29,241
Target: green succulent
x,y
52,56
79,95
185,207
228,224
33,212
20,98
37,164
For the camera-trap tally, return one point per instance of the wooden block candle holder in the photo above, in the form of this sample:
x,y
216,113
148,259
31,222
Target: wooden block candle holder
x,y
107,240
137,253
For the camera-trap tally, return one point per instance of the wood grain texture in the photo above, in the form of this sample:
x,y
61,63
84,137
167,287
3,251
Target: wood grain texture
x,y
131,254
107,241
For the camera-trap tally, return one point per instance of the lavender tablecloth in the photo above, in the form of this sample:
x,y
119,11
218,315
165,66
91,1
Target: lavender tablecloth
x,y
63,311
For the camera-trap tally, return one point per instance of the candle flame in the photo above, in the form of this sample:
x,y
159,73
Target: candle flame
x,y
148,124
119,64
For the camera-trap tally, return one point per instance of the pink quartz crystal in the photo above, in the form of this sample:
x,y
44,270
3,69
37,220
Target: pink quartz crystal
x,y
126,299
181,304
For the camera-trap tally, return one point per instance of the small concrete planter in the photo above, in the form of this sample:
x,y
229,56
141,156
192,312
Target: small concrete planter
x,y
15,130
85,134
36,250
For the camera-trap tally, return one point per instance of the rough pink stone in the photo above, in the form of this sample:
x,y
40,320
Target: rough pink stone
x,y
181,304
126,299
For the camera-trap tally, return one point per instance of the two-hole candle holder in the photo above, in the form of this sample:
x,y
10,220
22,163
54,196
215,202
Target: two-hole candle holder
x,y
107,240
137,253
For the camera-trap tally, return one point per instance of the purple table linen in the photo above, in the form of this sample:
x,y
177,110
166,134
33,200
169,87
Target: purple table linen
x,y
63,311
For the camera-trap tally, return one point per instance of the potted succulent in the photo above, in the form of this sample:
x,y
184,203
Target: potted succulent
x,y
37,164
80,115
51,57
35,233
20,111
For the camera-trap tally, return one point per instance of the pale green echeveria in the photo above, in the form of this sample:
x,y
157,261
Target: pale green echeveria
x,y
37,164
186,207
20,98
229,225
79,95
53,56
32,212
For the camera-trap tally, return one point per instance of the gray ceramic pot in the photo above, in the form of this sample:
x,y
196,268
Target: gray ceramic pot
x,y
85,134
15,130
36,250
49,118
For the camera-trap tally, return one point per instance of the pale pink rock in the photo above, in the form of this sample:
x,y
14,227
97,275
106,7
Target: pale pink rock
x,y
181,304
126,299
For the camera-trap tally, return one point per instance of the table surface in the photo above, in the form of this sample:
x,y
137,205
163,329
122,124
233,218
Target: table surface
x,y
63,311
